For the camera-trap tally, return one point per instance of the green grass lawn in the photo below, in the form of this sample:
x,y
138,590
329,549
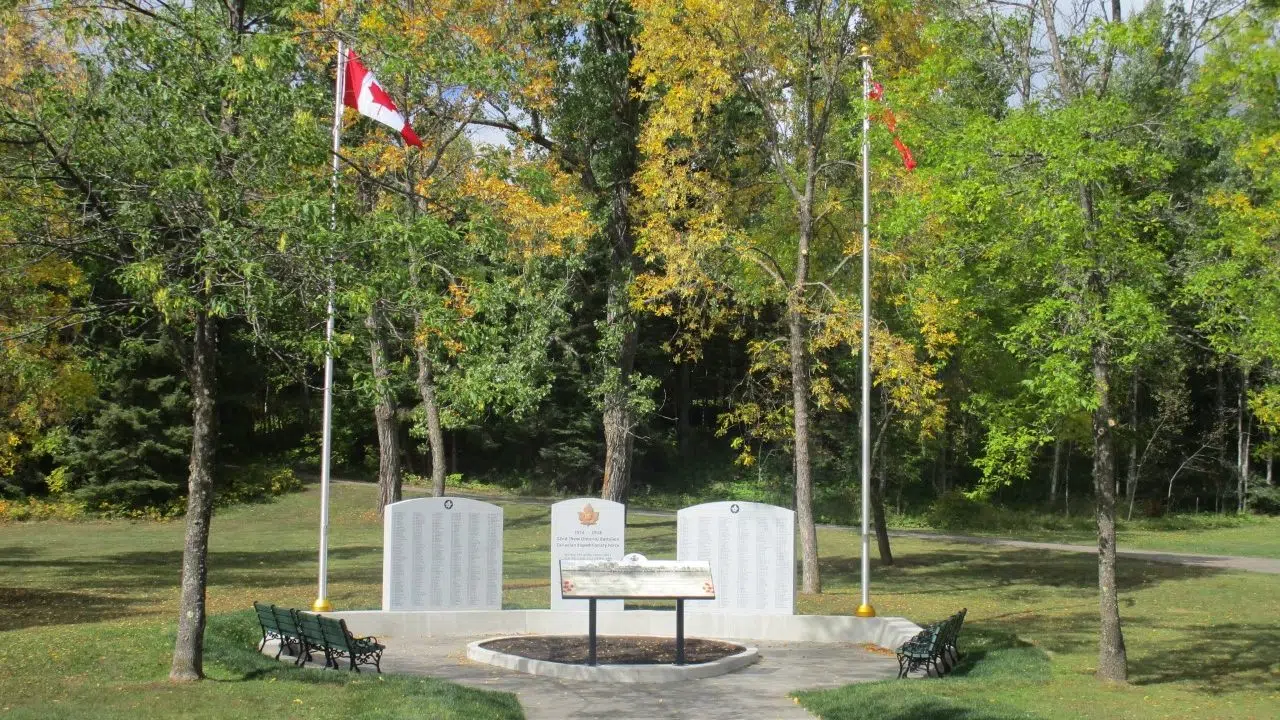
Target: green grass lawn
x,y
86,617
1205,533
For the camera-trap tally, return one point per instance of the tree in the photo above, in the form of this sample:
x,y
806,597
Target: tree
x,y
163,152
1060,205
1233,277
746,184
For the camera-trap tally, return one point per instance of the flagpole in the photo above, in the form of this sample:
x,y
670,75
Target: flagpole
x,y
326,436
865,609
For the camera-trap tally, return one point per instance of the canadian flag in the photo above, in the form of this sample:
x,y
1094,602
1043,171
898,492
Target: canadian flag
x,y
891,122
364,94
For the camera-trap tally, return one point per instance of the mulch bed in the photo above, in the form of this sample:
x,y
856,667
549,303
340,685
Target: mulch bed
x,y
613,649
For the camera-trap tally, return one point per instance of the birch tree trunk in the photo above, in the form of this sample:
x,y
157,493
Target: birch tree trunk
x,y
1053,475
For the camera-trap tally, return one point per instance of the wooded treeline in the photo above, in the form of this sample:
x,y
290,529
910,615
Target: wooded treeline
x,y
627,256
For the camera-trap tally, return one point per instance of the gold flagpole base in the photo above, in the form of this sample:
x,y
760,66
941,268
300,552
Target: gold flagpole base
x,y
865,611
322,605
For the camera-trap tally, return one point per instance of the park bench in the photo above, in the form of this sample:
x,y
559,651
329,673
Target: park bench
x,y
934,646
279,625
342,644
331,637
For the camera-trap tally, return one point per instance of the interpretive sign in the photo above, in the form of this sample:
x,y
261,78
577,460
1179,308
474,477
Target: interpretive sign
x,y
647,579
442,554
585,529
751,548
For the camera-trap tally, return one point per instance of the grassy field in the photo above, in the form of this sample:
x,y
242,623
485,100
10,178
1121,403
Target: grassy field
x,y
86,611
1205,533
1208,534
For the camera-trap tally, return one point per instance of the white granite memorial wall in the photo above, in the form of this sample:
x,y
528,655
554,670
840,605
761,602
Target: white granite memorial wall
x,y
585,529
751,548
442,554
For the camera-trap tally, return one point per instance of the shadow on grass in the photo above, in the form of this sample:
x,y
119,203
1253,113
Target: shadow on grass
x,y
953,571
991,660
34,607
1225,657
231,641
88,579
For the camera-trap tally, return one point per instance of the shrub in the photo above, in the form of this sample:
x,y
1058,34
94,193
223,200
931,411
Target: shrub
x,y
1264,499
36,509
956,511
257,483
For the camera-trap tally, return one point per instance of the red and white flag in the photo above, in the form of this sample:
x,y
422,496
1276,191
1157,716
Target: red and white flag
x,y
364,94
891,122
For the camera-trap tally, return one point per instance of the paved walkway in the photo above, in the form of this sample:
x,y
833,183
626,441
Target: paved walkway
x,y
758,691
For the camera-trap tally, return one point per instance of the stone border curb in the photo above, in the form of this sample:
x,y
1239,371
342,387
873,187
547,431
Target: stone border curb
x,y
610,673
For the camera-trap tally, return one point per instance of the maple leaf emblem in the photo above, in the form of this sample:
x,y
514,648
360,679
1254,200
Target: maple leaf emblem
x,y
588,515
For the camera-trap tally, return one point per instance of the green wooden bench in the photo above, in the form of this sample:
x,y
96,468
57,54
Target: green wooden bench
x,y
934,646
951,635
331,637
342,644
279,625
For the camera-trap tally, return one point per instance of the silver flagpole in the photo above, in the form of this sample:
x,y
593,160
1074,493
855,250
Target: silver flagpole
x,y
322,596
865,609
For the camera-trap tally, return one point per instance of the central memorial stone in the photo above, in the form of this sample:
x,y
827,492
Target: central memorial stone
x,y
751,548
585,529
442,554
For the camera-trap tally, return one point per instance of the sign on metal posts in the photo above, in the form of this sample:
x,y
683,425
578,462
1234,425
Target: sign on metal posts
x,y
636,578
644,580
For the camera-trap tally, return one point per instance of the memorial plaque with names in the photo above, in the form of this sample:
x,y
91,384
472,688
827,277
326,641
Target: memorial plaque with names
x,y
646,579
585,529
442,554
751,548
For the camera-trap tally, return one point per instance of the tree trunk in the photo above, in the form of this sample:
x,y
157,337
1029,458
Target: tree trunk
x,y
943,479
620,336
1112,660
877,513
810,581
684,401
619,416
1066,484
1131,477
1053,476
384,412
435,436
188,651
1243,428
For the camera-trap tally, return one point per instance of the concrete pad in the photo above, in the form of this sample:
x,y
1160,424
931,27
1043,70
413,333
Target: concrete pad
x,y
760,690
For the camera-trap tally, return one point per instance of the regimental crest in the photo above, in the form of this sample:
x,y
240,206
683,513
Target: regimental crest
x,y
588,515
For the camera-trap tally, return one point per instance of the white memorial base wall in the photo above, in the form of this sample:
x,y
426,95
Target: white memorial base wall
x,y
886,632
